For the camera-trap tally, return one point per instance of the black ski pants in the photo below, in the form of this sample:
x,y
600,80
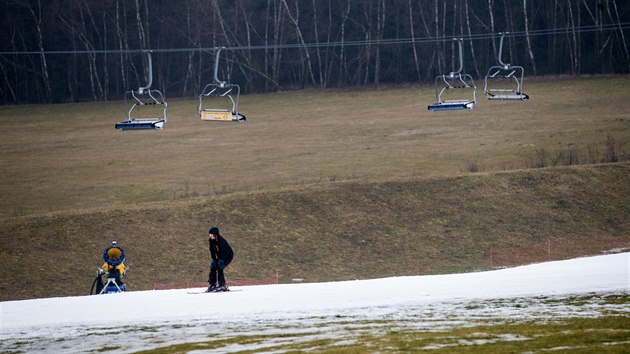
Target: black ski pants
x,y
216,269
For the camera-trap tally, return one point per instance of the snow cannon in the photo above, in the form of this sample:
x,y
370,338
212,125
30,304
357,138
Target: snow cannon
x,y
113,268
114,254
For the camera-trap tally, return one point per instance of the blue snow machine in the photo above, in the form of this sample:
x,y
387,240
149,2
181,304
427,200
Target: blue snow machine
x,y
113,270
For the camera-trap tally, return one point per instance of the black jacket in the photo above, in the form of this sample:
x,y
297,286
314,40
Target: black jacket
x,y
220,249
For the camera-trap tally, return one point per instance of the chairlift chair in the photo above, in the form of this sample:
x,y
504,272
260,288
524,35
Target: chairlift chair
x,y
144,97
216,91
454,84
504,81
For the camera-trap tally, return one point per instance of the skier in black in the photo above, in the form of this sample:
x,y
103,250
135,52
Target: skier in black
x,y
221,254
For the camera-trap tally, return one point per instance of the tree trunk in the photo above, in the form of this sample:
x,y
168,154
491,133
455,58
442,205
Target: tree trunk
x,y
413,40
38,20
317,50
142,39
492,28
266,53
189,67
472,45
343,68
429,68
380,29
295,20
278,36
573,42
105,58
527,36
121,46
439,34
621,32
8,84
246,54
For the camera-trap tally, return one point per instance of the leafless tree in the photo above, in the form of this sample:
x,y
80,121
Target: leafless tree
x,y
413,40
292,43
295,19
34,9
527,36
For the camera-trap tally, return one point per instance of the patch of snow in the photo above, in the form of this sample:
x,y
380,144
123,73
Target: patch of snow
x,y
137,320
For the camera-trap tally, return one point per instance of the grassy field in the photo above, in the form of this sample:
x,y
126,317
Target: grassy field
x,y
317,184
69,157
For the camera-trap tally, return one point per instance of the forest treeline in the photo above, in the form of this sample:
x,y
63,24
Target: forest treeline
x,y
83,50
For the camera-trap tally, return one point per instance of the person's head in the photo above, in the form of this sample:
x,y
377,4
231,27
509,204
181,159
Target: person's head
x,y
213,233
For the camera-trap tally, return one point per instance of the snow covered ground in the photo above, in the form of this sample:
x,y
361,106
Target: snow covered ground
x,y
139,320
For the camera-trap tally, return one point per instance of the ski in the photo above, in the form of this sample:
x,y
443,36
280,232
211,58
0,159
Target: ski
x,y
211,292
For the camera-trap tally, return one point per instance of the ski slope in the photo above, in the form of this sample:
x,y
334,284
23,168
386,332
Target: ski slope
x,y
74,324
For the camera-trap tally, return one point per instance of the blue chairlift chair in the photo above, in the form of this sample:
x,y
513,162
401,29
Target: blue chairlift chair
x,y
144,98
450,88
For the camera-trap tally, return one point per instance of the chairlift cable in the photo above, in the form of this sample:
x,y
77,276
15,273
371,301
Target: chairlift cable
x,y
392,41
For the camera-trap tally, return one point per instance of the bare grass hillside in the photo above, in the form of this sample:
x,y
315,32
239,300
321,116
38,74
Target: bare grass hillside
x,y
316,185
